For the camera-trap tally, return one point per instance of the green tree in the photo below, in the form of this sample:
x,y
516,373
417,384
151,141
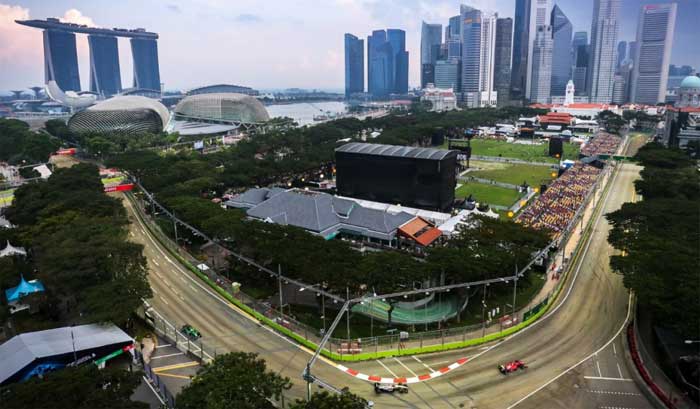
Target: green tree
x,y
659,239
325,400
85,387
235,380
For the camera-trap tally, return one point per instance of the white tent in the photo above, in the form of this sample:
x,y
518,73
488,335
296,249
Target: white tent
x,y
11,250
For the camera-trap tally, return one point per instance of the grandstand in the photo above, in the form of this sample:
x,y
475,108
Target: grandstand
x,y
603,144
556,207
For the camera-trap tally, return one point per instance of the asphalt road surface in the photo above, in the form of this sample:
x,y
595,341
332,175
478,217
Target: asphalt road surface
x,y
574,354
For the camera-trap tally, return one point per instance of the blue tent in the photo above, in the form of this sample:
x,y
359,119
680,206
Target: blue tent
x,y
24,288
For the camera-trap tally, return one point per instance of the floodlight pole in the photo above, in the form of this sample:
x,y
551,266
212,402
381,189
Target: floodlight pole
x,y
279,282
515,291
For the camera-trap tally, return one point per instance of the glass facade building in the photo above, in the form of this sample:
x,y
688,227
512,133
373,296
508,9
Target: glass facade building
x,y
447,74
105,77
471,49
354,65
521,46
603,51
146,70
562,30
654,41
387,63
540,69
580,53
430,40
504,34
61,59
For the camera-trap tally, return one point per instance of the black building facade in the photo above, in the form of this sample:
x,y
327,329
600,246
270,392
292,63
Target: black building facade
x,y
414,177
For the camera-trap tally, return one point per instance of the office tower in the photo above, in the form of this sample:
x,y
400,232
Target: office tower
x,y
430,41
504,34
580,56
105,77
447,74
354,65
561,52
387,63
521,47
541,62
540,19
621,53
602,59
397,39
379,64
632,51
478,57
61,59
683,71
654,42
454,28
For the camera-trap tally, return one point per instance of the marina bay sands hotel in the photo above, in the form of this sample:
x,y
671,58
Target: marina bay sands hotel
x,y
61,56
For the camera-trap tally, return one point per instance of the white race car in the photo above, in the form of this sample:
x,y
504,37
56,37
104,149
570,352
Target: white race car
x,y
390,387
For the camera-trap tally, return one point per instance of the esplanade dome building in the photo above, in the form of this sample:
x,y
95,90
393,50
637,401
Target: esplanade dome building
x,y
126,114
689,93
218,112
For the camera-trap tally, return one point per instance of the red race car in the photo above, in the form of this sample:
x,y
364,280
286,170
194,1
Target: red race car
x,y
511,367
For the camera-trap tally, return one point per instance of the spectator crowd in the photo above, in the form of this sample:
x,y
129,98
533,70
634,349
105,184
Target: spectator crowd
x,y
555,208
603,144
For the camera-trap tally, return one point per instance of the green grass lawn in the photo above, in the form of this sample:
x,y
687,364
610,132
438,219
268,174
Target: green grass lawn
x,y
514,174
532,153
494,195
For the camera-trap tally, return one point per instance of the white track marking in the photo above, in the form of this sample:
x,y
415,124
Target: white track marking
x,y
387,368
164,300
193,289
423,363
153,390
407,368
167,356
619,370
155,262
614,350
622,327
597,364
604,378
163,346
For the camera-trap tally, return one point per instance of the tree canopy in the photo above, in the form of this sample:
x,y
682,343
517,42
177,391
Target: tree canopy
x,y
79,241
234,380
18,143
325,400
84,387
659,238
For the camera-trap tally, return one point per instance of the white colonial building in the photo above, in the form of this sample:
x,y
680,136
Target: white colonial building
x,y
442,99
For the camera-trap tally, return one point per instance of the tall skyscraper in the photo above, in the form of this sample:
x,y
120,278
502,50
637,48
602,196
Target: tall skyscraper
x,y
397,39
61,59
354,65
379,64
478,56
387,63
540,70
541,77
580,55
604,32
561,52
521,47
654,41
621,53
632,51
105,77
146,71
430,40
502,63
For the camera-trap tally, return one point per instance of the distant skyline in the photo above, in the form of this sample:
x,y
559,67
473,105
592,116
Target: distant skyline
x,y
273,44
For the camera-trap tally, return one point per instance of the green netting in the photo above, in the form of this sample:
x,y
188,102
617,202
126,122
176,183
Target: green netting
x,y
434,311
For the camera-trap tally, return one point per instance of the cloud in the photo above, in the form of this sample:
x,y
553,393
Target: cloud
x,y
20,48
174,8
76,16
248,18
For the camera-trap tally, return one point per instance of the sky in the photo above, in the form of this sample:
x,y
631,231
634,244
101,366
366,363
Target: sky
x,y
270,44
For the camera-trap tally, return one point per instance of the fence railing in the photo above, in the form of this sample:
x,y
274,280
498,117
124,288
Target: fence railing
x,y
383,343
